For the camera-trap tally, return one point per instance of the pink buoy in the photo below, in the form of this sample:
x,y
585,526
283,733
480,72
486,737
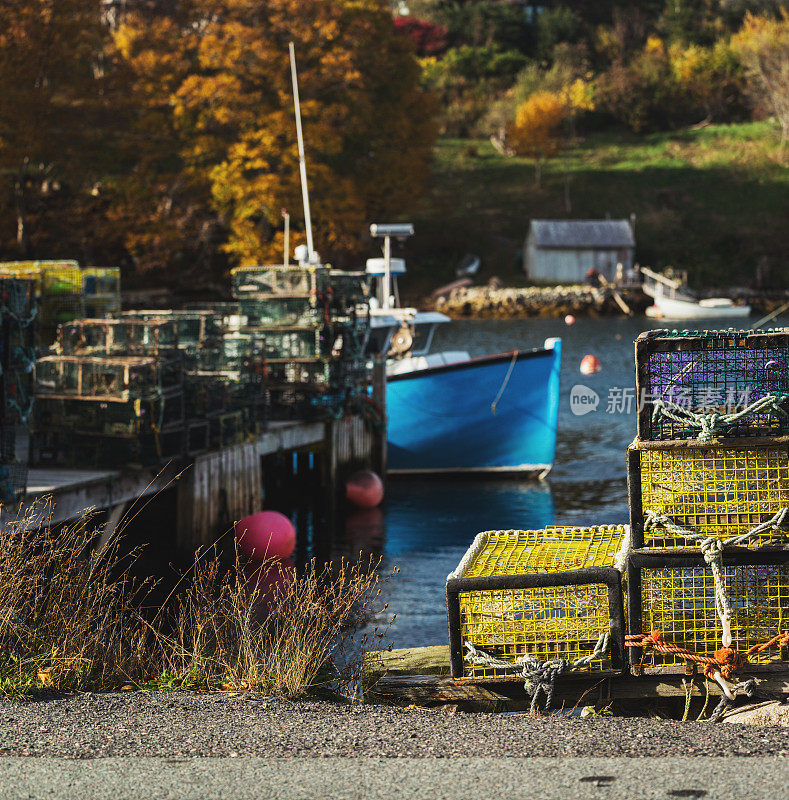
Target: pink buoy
x,y
364,489
569,320
590,364
267,534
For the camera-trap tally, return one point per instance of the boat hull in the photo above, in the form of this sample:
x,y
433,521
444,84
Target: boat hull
x,y
495,415
668,308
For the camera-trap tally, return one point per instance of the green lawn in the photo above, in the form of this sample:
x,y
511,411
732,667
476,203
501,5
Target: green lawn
x,y
712,201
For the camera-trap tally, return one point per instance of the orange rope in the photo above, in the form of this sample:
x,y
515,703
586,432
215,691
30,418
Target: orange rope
x,y
727,661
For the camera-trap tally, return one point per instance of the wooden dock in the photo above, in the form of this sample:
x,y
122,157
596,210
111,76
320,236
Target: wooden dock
x,y
213,489
420,676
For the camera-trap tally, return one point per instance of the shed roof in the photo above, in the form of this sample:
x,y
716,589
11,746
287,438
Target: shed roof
x,y
583,233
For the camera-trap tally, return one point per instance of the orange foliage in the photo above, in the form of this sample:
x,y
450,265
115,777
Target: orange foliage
x,y
537,131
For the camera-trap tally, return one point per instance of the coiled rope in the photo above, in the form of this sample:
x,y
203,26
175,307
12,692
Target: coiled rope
x,y
709,424
539,676
712,551
720,668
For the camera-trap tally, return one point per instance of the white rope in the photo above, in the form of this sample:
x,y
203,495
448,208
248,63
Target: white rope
x,y
709,424
620,559
480,540
539,676
504,384
712,551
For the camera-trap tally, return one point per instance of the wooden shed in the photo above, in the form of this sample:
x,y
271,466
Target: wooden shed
x,y
563,251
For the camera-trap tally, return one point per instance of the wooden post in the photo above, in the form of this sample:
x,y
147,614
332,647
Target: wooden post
x,y
379,395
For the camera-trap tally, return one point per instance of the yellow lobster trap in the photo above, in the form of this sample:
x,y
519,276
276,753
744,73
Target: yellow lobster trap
x,y
537,596
684,493
675,594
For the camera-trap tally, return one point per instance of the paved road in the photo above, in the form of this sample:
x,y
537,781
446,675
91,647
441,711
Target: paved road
x,y
401,778
139,745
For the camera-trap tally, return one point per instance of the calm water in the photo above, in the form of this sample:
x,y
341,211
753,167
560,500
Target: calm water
x,y
425,526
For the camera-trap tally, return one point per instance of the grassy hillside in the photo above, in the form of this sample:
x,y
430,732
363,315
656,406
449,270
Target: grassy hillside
x,y
712,201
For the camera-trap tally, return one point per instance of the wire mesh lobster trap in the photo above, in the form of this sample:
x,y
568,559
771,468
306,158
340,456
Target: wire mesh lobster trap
x,y
193,327
120,377
675,593
119,337
14,443
274,311
268,280
712,384
546,594
293,342
681,493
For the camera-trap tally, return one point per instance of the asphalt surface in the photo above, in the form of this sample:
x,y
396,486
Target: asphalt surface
x,y
140,745
404,779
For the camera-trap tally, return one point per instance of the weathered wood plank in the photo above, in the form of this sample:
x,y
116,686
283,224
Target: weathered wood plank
x,y
420,676
409,661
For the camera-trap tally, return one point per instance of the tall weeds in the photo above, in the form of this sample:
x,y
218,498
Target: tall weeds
x,y
72,619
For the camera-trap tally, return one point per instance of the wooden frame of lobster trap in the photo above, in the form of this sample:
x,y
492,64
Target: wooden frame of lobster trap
x,y
127,336
713,384
674,592
721,489
274,279
546,594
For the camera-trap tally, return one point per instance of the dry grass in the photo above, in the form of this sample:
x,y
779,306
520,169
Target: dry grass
x,y
74,619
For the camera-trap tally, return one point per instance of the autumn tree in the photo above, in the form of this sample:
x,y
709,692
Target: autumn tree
x,y
367,126
538,128
54,113
763,46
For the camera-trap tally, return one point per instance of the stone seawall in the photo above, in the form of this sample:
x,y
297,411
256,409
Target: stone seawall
x,y
484,302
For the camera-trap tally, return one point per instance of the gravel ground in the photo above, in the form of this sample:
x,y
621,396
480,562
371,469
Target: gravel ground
x,y
181,725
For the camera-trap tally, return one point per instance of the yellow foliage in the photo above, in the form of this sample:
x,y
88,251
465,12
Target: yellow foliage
x,y
655,46
538,123
579,95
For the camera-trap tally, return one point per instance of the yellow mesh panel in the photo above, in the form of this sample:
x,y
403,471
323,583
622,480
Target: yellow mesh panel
x,y
546,622
555,549
716,491
680,601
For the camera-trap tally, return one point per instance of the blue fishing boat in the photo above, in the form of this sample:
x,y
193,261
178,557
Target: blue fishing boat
x,y
450,413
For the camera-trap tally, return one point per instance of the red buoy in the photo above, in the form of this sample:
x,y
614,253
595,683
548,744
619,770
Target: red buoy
x,y
569,320
590,364
364,489
267,534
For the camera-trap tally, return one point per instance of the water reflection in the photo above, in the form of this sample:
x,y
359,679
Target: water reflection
x,y
424,529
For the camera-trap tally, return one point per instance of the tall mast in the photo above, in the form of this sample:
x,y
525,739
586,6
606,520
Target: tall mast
x,y
302,162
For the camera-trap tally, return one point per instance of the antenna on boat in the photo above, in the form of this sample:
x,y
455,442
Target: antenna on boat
x,y
302,163
386,232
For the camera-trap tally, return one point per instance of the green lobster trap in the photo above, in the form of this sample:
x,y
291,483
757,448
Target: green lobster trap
x,y
304,372
193,327
127,336
677,594
296,341
275,311
110,416
712,384
121,377
540,595
267,280
682,493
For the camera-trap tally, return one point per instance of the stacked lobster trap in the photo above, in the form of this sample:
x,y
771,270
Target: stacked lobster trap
x,y
112,393
18,312
314,325
708,483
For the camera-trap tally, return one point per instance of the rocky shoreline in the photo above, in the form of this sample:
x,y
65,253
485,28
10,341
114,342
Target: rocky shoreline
x,y
494,302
